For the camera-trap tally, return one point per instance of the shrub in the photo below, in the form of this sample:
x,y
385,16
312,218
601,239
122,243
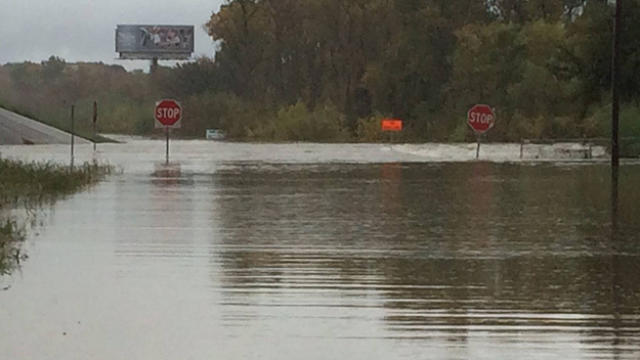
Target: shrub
x,y
297,123
368,129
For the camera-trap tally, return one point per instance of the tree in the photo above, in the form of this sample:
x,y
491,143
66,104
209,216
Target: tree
x,y
53,68
241,30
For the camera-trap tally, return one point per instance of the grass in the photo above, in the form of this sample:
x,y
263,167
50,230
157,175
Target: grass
x,y
30,185
37,180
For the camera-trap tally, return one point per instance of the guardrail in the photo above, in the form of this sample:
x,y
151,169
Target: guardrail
x,y
629,145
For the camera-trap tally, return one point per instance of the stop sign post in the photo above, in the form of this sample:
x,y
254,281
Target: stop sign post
x,y
481,119
168,115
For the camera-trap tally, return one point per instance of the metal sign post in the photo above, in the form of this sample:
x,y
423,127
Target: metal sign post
x,y
166,129
391,127
481,119
168,114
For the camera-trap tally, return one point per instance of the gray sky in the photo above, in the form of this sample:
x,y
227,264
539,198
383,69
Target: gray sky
x,y
83,30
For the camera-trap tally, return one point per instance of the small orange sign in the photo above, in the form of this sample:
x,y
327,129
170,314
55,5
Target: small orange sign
x,y
391,125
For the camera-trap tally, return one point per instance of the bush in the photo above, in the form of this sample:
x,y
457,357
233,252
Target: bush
x,y
460,133
368,129
522,127
297,123
599,122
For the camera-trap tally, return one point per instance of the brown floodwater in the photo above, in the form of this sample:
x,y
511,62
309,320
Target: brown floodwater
x,y
306,251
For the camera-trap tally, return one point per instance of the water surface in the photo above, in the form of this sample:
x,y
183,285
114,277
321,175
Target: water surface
x,y
328,251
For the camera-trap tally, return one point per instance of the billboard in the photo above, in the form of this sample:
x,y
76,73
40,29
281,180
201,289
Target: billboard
x,y
154,41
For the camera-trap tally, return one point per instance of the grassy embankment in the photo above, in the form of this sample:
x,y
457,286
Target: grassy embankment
x,y
30,186
81,131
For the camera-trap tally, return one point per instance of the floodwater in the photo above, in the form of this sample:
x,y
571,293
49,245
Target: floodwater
x,y
303,251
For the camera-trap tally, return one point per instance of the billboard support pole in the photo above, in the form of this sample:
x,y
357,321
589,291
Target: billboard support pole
x,y
154,65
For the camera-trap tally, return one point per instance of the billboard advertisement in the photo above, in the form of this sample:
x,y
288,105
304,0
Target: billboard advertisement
x,y
154,41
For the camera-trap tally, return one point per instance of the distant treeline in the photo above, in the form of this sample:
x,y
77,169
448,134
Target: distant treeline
x,y
329,70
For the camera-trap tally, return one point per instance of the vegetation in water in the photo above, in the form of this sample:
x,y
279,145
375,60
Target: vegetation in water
x,y
30,186
11,237
329,70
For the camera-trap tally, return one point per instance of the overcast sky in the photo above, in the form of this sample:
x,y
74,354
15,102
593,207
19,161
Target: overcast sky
x,y
83,30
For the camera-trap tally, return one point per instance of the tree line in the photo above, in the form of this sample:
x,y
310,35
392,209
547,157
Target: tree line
x,y
329,70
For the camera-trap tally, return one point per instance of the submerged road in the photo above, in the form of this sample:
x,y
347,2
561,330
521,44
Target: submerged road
x,y
16,129
354,251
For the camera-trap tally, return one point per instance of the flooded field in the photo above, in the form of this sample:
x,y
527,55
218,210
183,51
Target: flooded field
x,y
238,251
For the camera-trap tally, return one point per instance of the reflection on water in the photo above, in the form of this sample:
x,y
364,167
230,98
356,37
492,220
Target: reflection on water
x,y
11,238
504,252
392,260
18,216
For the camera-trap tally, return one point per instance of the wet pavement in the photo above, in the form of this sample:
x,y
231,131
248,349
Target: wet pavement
x,y
249,251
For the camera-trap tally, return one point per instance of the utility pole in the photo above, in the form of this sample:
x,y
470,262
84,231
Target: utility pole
x,y
615,96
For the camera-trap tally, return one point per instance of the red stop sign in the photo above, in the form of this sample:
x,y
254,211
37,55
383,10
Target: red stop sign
x,y
168,113
481,118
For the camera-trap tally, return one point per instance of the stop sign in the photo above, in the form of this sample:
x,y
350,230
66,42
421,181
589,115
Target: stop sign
x,y
481,118
168,113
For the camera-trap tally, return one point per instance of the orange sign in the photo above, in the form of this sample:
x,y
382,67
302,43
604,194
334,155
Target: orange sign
x,y
391,125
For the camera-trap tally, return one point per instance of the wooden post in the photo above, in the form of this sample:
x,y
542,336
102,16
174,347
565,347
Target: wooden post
x,y
72,133
95,120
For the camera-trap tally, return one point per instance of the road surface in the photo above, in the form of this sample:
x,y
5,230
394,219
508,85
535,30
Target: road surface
x,y
16,130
